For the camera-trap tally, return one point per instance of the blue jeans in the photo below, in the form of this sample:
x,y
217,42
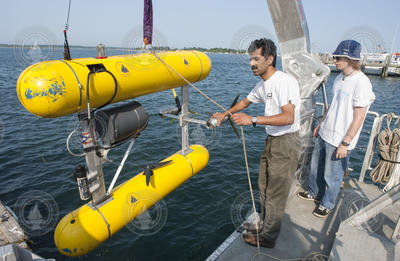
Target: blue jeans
x,y
326,173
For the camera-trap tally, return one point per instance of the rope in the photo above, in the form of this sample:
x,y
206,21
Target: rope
x,y
251,188
189,83
391,161
395,174
388,144
245,159
243,140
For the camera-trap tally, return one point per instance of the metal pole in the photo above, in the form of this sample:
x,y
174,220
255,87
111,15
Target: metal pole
x,y
375,207
376,126
326,107
291,28
93,161
183,122
121,165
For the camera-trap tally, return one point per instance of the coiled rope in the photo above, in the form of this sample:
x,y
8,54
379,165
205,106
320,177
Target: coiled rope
x,y
388,144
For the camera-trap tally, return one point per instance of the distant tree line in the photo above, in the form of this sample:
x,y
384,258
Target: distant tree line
x,y
158,48
216,50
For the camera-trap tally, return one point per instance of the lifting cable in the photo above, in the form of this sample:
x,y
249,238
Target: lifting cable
x,y
243,140
259,253
67,52
148,22
147,40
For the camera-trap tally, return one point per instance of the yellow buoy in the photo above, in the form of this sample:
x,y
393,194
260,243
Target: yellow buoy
x,y
56,88
83,229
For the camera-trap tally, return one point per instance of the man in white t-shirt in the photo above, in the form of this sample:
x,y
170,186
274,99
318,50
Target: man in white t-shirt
x,y
280,94
338,132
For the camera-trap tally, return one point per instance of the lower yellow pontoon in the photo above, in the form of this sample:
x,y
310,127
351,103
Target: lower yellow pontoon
x,y
83,229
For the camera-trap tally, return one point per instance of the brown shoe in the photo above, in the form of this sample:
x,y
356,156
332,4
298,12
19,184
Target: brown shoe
x,y
251,227
251,239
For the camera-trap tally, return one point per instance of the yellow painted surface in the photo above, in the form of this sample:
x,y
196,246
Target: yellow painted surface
x,y
83,229
50,89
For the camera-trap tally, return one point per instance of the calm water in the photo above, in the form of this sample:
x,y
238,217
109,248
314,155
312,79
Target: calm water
x,y
34,157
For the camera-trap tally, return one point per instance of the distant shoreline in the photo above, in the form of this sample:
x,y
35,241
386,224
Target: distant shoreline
x,y
162,48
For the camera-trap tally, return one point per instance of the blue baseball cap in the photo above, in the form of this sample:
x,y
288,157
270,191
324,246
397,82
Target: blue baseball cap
x,y
348,48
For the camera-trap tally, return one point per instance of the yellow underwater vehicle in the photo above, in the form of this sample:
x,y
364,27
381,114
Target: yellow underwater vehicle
x,y
85,86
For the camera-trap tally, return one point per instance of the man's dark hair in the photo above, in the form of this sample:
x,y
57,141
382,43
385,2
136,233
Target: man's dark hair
x,y
267,48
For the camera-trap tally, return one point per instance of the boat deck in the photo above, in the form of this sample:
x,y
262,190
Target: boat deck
x,y
10,231
14,243
305,235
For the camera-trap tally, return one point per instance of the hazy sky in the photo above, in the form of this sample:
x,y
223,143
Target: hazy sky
x,y
202,23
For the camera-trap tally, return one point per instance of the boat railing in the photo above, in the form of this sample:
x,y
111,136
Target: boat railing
x,y
372,142
386,199
369,154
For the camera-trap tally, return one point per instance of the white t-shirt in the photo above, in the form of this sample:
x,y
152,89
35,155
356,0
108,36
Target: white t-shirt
x,y
348,92
279,90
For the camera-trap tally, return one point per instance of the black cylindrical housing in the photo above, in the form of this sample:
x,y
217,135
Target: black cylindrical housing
x,y
118,124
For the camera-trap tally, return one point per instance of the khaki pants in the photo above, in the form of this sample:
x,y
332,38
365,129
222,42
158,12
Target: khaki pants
x,y
278,163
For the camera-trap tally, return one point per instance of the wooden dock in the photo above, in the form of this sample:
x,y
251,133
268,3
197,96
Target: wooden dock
x,y
383,64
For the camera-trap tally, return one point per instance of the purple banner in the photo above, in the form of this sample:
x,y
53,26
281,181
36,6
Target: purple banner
x,y
148,22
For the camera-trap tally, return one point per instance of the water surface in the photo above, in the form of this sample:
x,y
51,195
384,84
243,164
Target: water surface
x,y
34,157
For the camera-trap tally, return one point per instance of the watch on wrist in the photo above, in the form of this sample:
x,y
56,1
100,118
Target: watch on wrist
x,y
254,121
345,143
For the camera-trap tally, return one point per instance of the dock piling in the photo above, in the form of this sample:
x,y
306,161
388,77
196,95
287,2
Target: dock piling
x,y
385,67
